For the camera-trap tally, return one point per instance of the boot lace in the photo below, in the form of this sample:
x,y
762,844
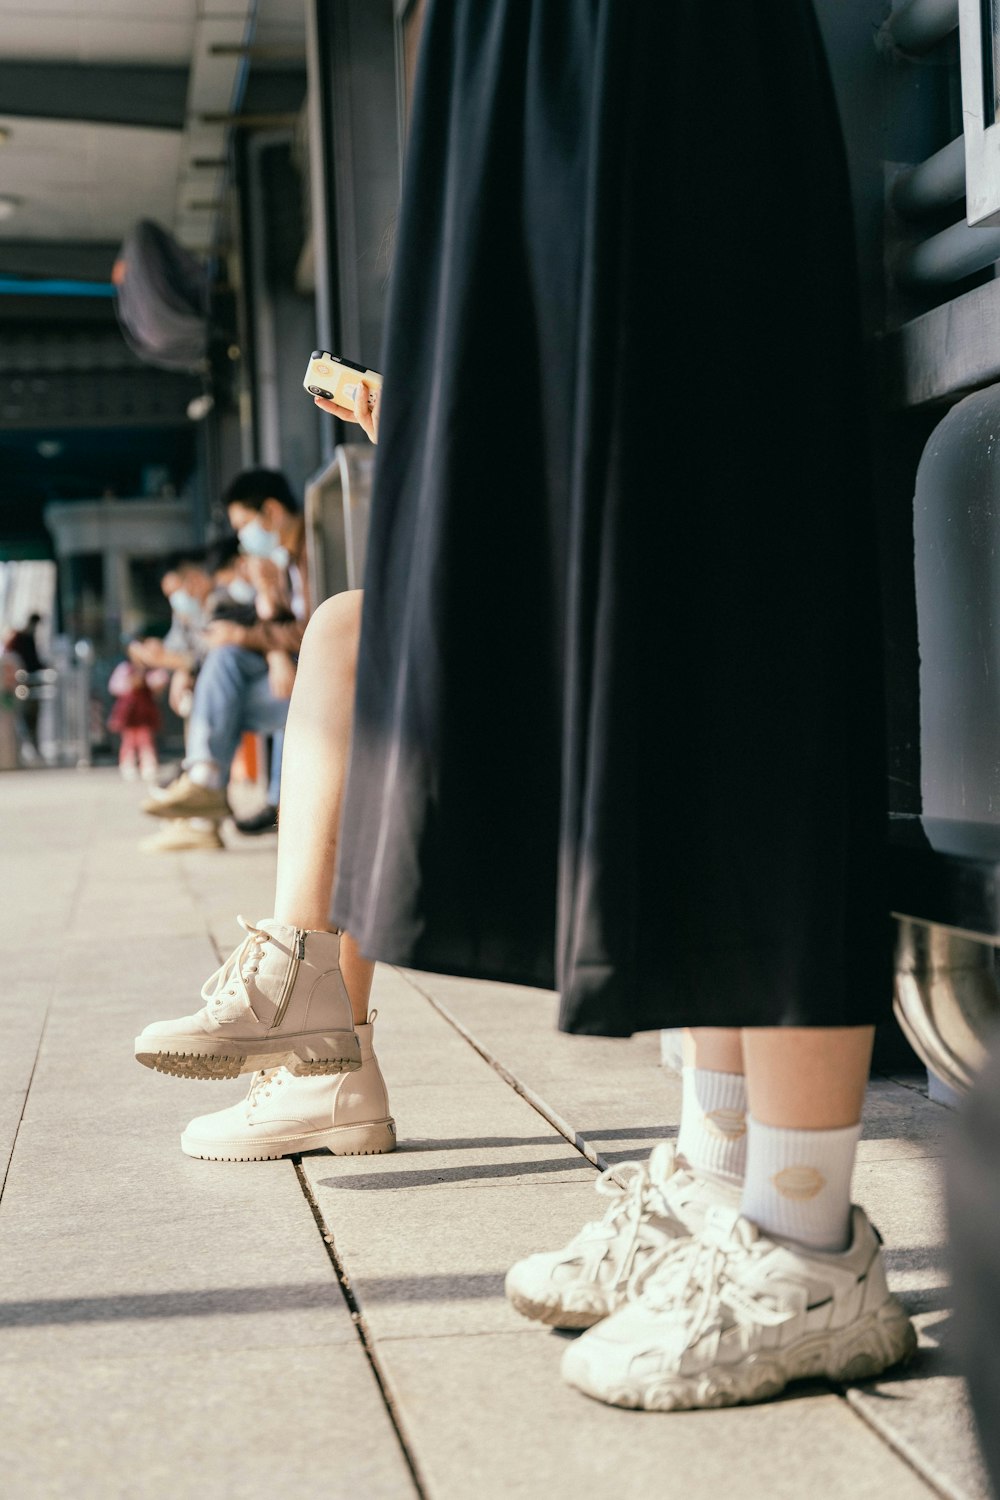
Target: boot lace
x,y
244,961
260,1085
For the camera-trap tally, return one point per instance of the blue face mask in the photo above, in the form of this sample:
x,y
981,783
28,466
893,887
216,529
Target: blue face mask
x,y
184,604
257,541
241,592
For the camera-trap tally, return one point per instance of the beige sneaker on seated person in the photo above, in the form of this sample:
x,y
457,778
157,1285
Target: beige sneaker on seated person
x,y
185,798
283,1115
181,834
278,1000
653,1204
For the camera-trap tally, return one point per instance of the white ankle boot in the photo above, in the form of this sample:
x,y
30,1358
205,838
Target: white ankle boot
x,y
278,1000
283,1115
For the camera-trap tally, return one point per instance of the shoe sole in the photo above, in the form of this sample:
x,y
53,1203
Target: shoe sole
x,y
309,1055
208,848
157,809
875,1343
339,1140
552,1314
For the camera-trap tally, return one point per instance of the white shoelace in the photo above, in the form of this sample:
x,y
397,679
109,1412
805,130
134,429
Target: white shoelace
x,y
251,949
696,1278
633,1195
260,1086
252,946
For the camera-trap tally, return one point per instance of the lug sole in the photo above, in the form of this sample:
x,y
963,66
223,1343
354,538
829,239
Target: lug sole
x,y
551,1313
214,810
341,1140
314,1054
859,1352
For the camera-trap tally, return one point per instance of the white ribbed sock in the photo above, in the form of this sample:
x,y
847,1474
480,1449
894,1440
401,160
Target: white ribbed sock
x,y
798,1183
205,773
713,1133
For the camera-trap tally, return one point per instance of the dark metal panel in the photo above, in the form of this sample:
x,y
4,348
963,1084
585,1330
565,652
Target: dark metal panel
x,y
87,261
354,173
322,207
366,167
95,398
100,93
275,92
281,319
948,351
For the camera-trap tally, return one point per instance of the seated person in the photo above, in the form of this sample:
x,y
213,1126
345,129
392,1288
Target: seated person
x,y
248,589
246,677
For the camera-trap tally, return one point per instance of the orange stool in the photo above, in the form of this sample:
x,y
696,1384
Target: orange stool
x,y
248,759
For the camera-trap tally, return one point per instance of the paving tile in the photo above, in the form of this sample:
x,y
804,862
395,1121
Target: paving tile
x,y
22,1029
251,1424
432,1259
925,1413
476,1410
613,1092
900,1122
112,1263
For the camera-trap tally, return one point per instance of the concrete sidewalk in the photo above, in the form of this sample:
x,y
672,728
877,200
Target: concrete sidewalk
x,y
336,1327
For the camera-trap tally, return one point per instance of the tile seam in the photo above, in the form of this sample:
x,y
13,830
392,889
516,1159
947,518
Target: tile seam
x,y
364,1336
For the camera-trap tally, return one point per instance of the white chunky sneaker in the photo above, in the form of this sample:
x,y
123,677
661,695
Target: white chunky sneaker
x,y
283,1115
278,1000
734,1315
660,1202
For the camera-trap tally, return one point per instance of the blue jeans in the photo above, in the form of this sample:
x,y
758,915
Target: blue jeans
x,y
232,698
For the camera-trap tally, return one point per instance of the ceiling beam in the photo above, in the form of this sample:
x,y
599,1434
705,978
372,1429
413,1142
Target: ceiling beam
x,y
82,260
98,93
127,94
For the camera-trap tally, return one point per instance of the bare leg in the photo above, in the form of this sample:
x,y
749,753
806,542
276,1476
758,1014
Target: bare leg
x,y
314,768
716,1047
807,1078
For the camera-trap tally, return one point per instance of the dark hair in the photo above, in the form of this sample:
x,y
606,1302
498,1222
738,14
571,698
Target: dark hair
x,y
222,553
254,486
34,619
189,557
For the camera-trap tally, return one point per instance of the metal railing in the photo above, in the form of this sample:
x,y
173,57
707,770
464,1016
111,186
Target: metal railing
x,y
54,705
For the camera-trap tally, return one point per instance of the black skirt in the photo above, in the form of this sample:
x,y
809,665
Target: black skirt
x,y
619,711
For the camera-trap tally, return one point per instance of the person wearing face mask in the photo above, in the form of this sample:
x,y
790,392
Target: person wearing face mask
x,y
247,675
186,583
268,521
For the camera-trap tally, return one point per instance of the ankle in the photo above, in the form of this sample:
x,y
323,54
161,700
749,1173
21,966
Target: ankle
x,y
205,773
798,1183
712,1136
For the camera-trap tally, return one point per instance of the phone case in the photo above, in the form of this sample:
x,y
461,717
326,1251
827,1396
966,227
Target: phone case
x,y
337,379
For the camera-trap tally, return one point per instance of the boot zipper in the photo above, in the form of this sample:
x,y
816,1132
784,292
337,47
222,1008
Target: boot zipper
x,y
295,957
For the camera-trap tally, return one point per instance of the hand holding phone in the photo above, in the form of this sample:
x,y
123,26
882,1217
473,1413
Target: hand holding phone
x,y
337,379
340,388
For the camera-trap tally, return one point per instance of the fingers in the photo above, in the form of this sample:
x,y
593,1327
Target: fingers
x,y
343,412
364,409
364,412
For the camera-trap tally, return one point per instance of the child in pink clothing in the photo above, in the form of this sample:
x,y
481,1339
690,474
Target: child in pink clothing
x,y
136,717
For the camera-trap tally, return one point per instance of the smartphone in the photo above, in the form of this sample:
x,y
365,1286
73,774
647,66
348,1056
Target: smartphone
x,y
337,379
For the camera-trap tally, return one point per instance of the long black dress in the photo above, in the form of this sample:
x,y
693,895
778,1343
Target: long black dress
x,y
619,704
